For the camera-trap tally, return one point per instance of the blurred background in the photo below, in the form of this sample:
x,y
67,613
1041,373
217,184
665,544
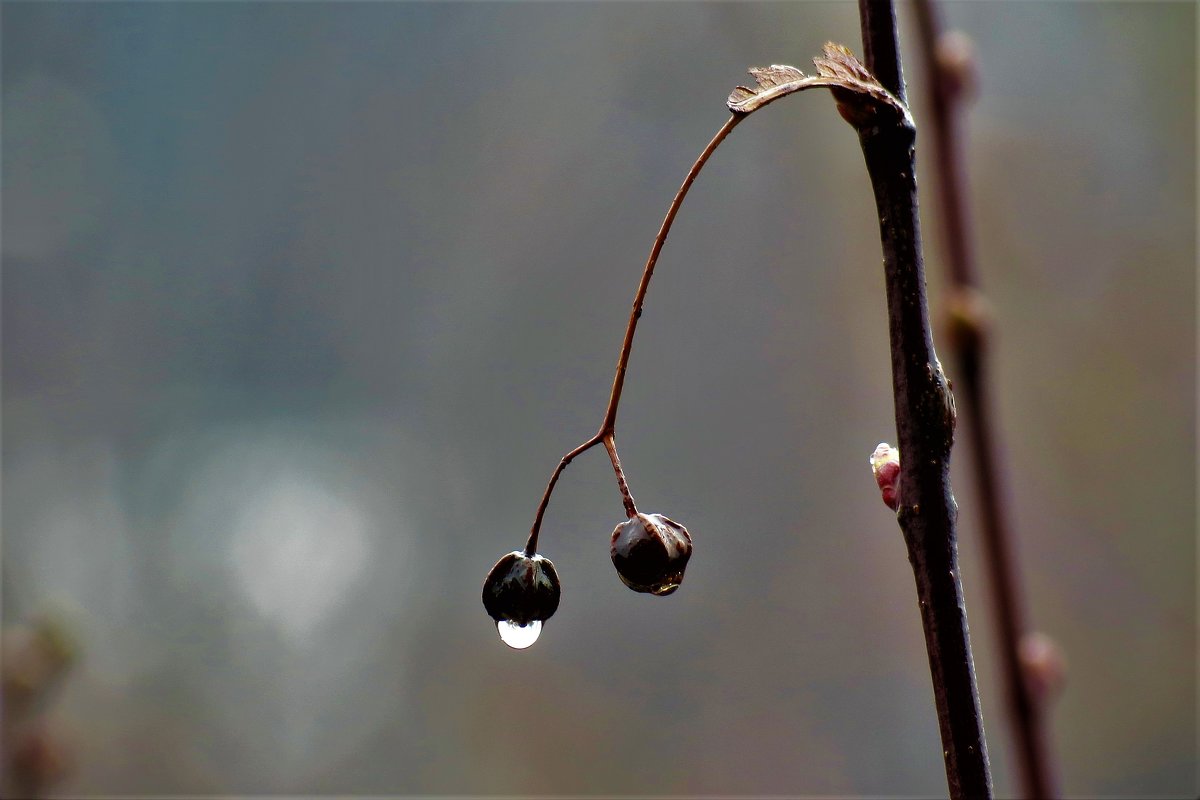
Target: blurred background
x,y
303,302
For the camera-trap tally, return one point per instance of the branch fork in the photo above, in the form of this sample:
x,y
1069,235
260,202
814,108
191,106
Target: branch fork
x,y
861,99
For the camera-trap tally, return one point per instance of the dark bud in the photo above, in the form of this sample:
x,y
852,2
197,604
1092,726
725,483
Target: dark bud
x,y
520,593
650,553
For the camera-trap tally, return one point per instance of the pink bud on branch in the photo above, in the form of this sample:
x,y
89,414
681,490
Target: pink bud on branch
x,y
1044,665
885,463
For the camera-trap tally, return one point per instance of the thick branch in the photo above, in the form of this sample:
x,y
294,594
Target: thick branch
x,y
969,340
924,410
881,47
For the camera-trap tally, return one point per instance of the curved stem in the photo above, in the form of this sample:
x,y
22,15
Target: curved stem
x,y
531,544
610,414
608,425
1026,716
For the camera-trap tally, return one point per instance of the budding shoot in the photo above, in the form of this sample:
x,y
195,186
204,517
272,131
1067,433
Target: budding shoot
x,y
885,463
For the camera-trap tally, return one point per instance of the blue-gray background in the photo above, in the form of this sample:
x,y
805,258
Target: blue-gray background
x,y
302,303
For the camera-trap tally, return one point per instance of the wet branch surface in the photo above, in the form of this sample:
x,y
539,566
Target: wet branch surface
x,y
925,419
969,339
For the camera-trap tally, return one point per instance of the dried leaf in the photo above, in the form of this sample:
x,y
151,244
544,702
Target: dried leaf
x,y
739,95
838,62
837,70
775,75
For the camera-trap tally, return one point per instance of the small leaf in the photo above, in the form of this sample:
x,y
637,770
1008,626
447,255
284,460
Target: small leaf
x,y
838,62
775,75
739,95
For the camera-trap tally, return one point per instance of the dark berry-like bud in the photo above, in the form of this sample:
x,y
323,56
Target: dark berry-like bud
x,y
650,553
520,593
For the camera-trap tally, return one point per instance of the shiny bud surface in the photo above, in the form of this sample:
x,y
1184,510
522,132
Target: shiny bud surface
x,y
650,553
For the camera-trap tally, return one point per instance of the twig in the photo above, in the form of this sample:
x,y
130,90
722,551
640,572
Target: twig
x,y
608,426
924,421
969,341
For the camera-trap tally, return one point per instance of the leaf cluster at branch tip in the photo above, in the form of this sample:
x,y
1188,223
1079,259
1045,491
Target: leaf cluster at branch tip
x,y
837,70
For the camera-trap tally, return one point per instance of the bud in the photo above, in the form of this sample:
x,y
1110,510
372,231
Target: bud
x,y
650,553
968,319
1043,664
520,593
955,54
885,463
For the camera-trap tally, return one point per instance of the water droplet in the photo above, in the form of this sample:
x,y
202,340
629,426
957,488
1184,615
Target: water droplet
x,y
667,586
517,636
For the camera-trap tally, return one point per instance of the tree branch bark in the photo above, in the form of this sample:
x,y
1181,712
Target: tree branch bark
x,y
925,417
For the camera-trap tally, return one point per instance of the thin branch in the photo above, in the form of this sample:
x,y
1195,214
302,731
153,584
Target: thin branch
x,y
969,340
925,416
610,444
610,415
531,544
944,104
608,425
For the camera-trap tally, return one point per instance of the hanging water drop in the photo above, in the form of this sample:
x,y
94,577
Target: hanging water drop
x,y
520,593
517,636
